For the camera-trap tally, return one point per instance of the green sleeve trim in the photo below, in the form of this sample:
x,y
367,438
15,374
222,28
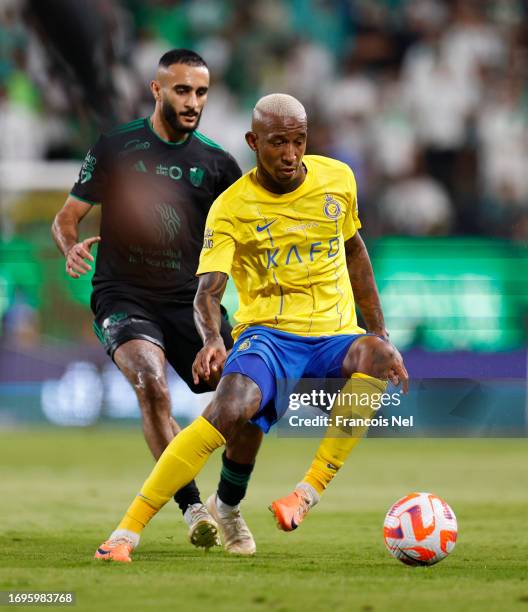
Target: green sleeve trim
x,y
126,127
208,141
84,200
133,128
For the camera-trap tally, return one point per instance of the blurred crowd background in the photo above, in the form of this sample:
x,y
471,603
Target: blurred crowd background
x,y
426,100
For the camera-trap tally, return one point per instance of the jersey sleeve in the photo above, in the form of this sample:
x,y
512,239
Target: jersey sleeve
x,y
219,243
351,223
90,184
230,174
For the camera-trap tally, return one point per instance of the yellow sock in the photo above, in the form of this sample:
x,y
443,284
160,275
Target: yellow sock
x,y
137,516
178,465
355,401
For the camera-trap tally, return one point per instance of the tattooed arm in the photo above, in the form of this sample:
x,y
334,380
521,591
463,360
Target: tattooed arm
x,y
367,298
207,318
364,286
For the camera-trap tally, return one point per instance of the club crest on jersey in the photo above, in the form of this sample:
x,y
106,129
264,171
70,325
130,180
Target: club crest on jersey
x,y
331,208
196,175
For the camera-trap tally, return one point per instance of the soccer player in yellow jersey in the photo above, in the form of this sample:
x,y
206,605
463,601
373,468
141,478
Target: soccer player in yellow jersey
x,y
287,234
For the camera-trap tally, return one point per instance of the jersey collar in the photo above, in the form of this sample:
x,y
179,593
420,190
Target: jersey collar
x,y
180,143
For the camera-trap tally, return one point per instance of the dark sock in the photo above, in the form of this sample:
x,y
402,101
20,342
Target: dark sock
x,y
234,479
187,496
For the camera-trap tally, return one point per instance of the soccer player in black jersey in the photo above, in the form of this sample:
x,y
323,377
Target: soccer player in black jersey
x,y
156,179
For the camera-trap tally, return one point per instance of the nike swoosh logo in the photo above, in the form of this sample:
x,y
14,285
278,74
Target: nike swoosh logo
x,y
261,228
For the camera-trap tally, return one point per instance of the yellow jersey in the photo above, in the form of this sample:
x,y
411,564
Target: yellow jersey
x,y
285,252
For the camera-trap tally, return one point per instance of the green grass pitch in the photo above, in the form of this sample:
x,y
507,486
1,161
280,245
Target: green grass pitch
x,y
63,491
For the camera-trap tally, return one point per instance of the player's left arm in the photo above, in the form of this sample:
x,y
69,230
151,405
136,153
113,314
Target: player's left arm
x,y
367,298
364,286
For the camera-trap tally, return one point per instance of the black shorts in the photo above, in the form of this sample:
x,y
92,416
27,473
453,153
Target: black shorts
x,y
120,318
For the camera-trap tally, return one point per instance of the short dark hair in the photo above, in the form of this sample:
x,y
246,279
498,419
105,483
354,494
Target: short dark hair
x,y
181,56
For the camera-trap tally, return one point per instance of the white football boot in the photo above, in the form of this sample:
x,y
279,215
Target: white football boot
x,y
237,537
203,530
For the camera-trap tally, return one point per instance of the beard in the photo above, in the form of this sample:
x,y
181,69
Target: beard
x,y
171,117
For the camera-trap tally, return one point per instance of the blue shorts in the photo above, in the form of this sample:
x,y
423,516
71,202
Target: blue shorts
x,y
276,361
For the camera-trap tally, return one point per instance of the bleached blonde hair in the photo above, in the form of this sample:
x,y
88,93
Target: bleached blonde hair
x,y
279,105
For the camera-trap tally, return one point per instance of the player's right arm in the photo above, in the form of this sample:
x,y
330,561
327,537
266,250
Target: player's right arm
x,y
215,265
65,232
207,317
87,192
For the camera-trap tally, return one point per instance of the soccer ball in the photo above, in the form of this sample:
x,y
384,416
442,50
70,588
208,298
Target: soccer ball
x,y
420,529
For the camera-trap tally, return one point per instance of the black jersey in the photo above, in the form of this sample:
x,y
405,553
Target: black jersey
x,y
155,196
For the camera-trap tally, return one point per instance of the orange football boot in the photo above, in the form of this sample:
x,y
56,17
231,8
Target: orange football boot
x,y
118,550
290,511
